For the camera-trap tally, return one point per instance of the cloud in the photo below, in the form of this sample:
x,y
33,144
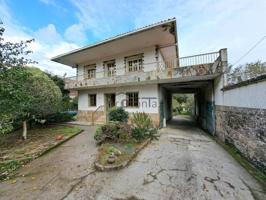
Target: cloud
x,y
104,19
48,2
75,33
48,35
206,25
48,42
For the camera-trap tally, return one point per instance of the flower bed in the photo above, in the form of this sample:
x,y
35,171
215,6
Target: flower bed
x,y
120,142
125,154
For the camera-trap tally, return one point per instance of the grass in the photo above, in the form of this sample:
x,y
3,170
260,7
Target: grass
x,y
15,152
127,150
257,174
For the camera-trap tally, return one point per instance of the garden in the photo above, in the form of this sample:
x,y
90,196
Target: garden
x,y
32,103
119,141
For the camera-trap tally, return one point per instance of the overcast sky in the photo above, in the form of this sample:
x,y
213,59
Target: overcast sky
x,y
203,25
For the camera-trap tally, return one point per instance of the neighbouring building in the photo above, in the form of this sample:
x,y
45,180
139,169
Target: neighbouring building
x,y
140,70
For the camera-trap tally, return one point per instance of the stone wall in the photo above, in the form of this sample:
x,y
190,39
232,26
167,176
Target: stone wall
x,y
245,129
100,117
86,116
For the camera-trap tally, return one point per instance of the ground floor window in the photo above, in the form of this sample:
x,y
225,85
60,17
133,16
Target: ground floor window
x,y
132,99
92,100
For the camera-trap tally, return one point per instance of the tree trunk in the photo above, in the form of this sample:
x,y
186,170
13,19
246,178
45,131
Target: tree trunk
x,y
24,130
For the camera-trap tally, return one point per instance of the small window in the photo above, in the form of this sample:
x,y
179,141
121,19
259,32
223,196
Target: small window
x,y
134,63
92,99
90,71
110,68
133,99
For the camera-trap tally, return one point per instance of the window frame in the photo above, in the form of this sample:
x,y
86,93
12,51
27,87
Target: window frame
x,y
135,100
90,71
132,59
90,100
108,72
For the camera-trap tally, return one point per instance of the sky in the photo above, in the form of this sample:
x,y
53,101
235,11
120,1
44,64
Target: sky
x,y
59,26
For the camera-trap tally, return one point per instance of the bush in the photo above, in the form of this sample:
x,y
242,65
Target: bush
x,y
118,114
61,117
143,127
113,132
142,121
138,134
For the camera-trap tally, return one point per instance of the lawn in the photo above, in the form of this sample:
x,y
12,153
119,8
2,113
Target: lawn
x,y
15,152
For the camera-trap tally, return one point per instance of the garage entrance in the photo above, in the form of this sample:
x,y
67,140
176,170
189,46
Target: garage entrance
x,y
200,97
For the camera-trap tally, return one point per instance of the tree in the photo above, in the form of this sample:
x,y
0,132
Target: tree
x,y
181,101
67,102
13,54
247,71
27,93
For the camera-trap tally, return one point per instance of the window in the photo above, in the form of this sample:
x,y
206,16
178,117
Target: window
x,y
133,99
92,99
134,63
90,71
110,68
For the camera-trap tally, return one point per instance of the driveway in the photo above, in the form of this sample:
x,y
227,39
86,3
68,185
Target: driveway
x,y
183,164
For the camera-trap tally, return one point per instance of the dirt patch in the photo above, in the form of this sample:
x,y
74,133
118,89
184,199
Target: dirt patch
x,y
15,152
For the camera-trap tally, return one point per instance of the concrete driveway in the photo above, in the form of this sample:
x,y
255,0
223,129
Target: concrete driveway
x,y
183,164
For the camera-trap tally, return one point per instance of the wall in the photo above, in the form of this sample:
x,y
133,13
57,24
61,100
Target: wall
x,y
149,59
145,92
241,119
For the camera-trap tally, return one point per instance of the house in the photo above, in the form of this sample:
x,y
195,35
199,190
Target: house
x,y
140,70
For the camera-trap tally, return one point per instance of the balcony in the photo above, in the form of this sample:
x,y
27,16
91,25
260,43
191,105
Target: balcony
x,y
185,68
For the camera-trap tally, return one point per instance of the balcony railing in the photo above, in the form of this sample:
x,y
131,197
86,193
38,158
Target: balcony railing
x,y
170,68
199,59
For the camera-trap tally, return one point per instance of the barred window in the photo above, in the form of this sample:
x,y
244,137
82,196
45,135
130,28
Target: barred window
x,y
92,100
133,99
134,63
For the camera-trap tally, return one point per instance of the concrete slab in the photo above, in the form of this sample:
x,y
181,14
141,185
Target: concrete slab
x,y
183,164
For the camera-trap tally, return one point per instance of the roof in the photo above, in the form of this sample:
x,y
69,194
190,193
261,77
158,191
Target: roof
x,y
117,37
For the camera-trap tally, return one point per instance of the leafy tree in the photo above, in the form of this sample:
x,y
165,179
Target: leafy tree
x,y
247,71
13,54
181,101
27,93
67,102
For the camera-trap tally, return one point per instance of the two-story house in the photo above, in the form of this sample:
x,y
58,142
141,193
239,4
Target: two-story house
x,y
138,70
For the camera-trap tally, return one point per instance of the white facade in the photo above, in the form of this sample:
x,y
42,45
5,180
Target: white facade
x,y
149,58
249,96
148,98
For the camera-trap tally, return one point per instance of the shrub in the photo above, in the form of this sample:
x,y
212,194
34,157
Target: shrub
x,y
61,117
142,121
118,114
138,134
113,132
143,127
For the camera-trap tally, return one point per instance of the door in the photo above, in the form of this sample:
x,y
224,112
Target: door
x,y
109,102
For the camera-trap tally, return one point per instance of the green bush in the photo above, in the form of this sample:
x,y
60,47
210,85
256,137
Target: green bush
x,y
118,114
113,132
143,127
138,134
61,117
142,121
